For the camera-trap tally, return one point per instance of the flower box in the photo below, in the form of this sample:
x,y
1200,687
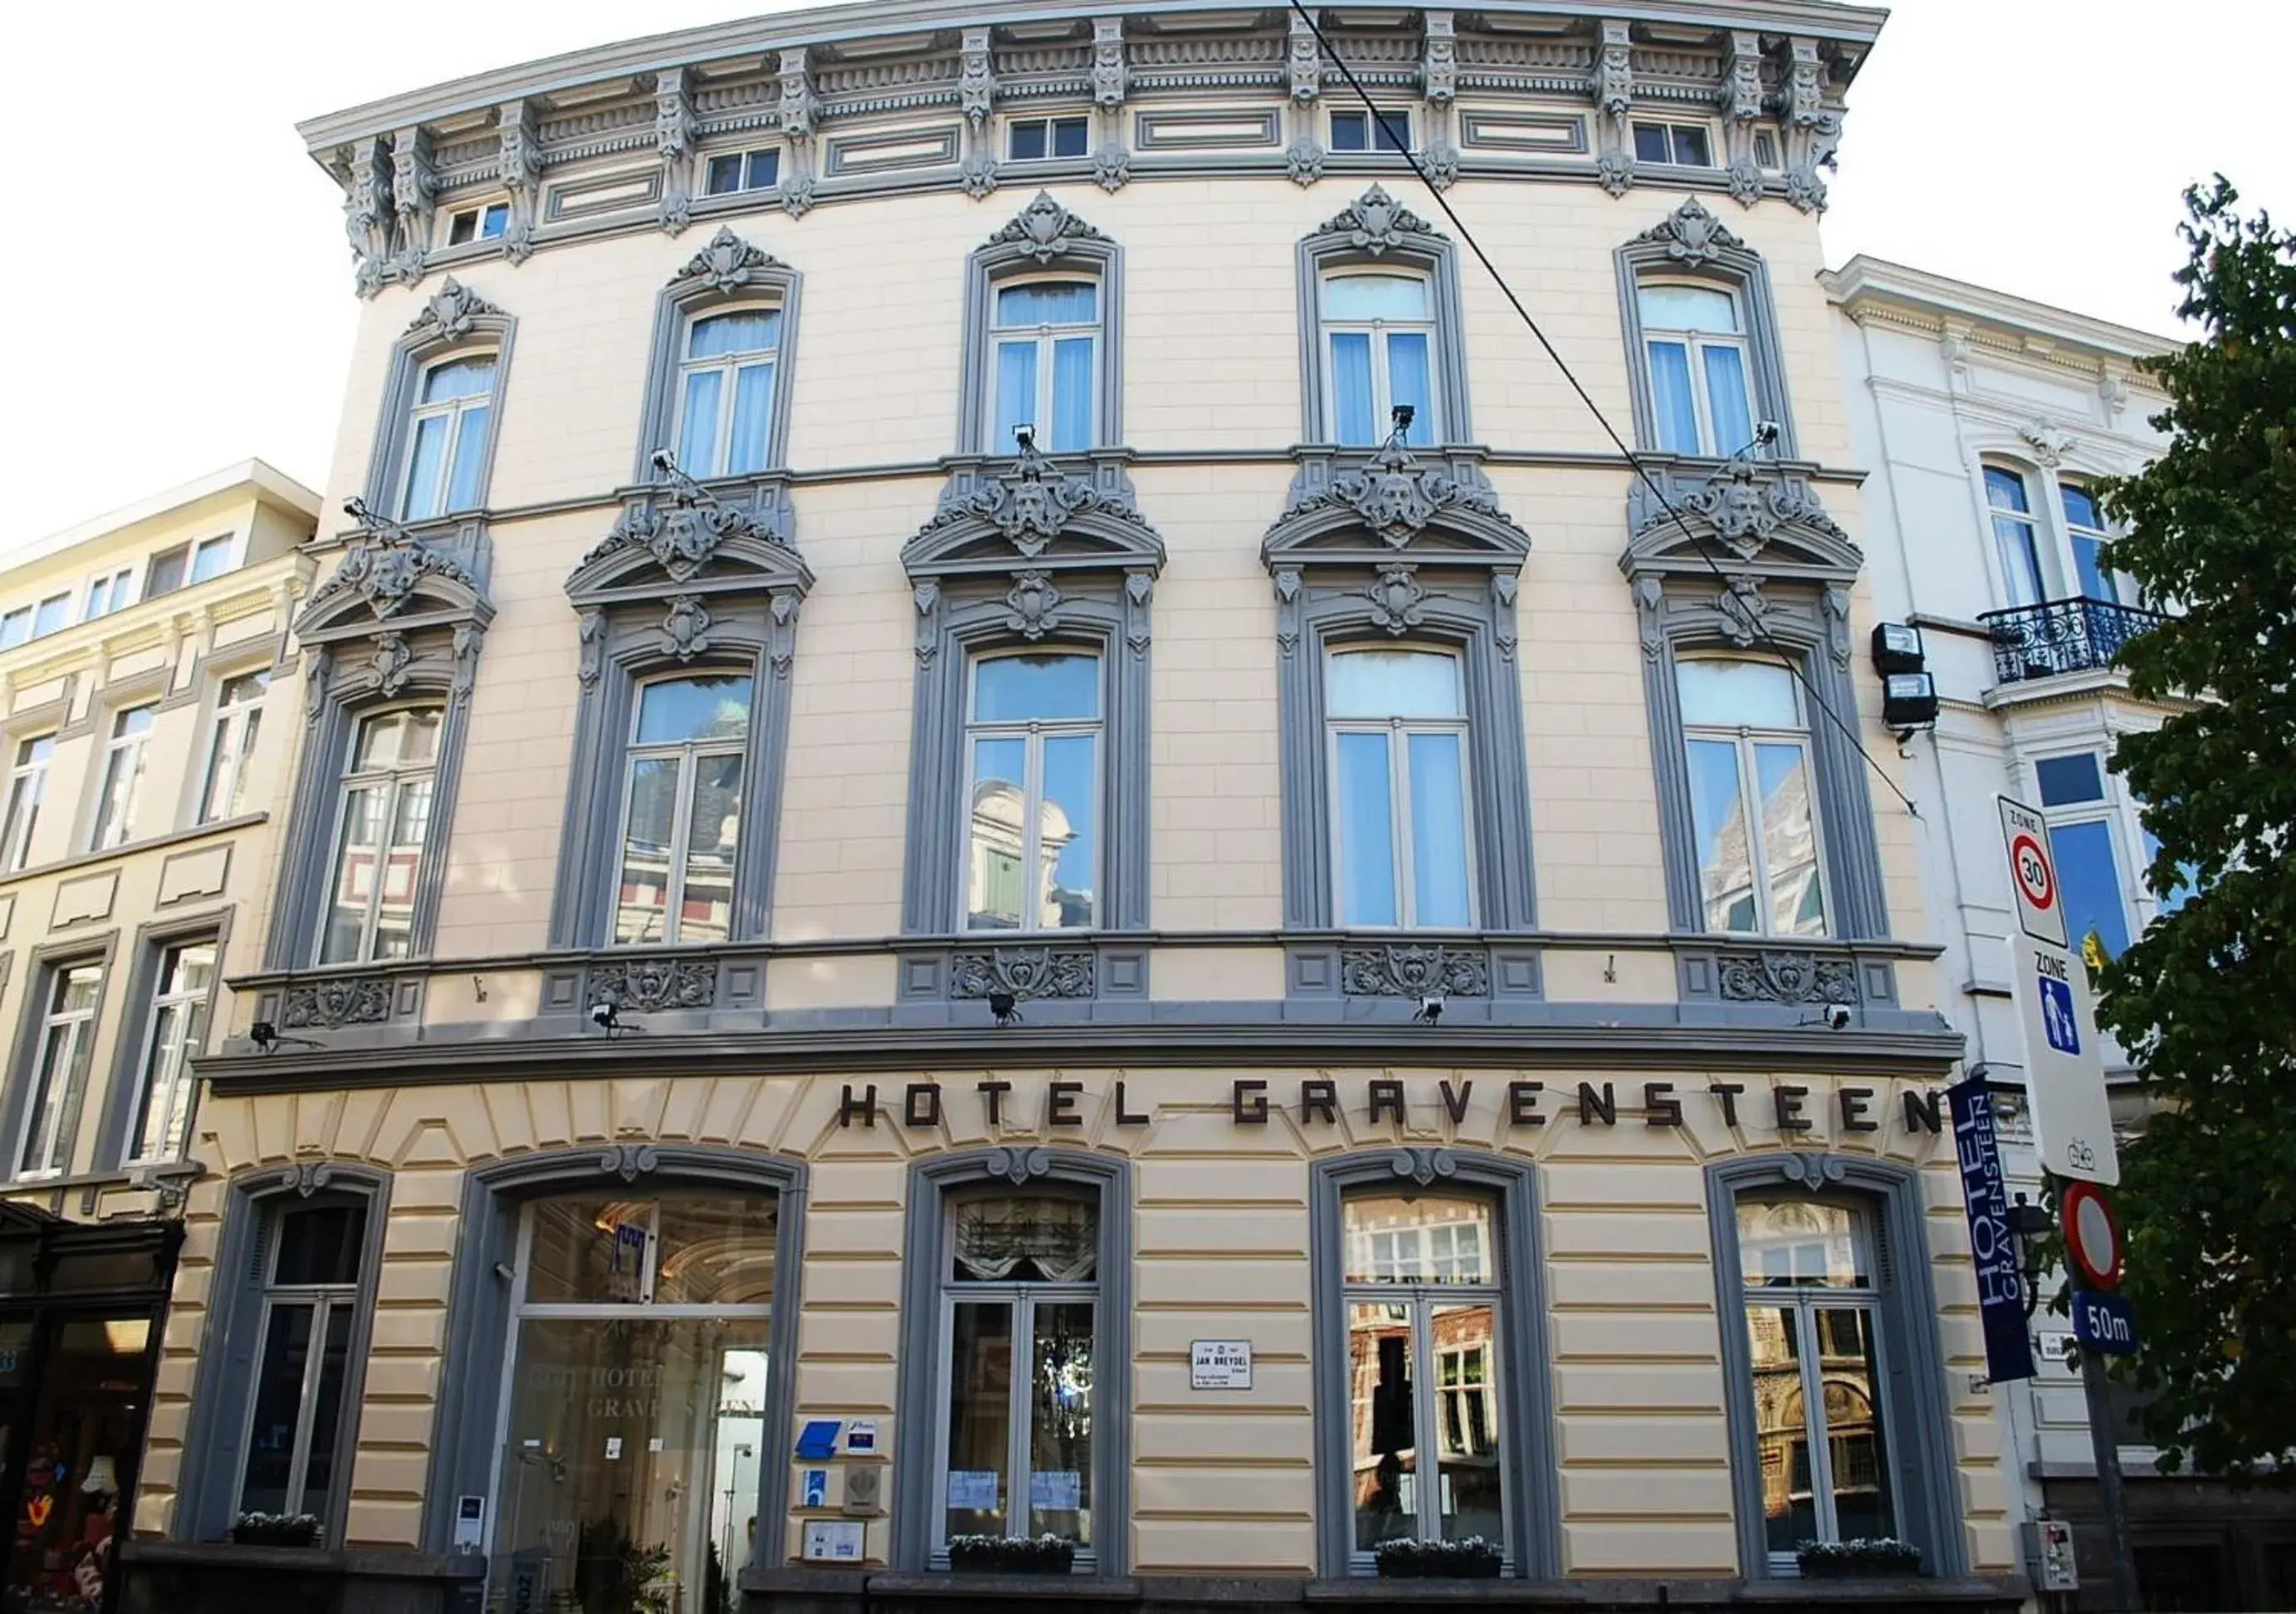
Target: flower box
x,y
1011,1555
276,1530
1472,1559
1879,1556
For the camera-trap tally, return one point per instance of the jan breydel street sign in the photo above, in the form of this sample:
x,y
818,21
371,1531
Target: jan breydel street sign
x,y
1992,1246
2064,1073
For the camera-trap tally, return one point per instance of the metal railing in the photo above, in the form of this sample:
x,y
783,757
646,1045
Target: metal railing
x,y
2060,636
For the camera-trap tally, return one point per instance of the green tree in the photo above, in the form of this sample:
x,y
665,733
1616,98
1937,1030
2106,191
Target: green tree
x,y
2205,1001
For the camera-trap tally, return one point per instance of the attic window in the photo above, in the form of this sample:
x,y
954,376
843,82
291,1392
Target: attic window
x,y
731,172
1680,144
1032,139
485,223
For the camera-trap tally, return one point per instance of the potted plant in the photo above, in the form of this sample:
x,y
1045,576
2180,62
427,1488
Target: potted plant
x,y
1011,1555
1881,1555
276,1530
1406,1558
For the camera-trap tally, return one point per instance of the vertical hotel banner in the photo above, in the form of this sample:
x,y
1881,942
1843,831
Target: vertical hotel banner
x,y
1992,1245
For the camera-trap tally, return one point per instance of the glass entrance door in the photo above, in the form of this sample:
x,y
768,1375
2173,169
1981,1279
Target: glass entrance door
x,y
75,1426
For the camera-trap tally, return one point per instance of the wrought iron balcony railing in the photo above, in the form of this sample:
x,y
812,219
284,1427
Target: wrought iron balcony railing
x,y
2061,636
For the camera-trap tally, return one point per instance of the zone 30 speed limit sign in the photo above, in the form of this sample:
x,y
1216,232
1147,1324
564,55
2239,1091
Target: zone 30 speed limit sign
x,y
2032,874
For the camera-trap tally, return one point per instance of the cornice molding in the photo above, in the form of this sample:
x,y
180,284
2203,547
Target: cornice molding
x,y
1936,300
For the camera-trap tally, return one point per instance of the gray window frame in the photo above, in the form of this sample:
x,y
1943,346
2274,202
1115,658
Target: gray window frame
x,y
456,321
727,274
1528,1439
1018,1166
1691,244
44,966
1913,1358
495,1196
1376,233
223,1389
132,1046
1043,239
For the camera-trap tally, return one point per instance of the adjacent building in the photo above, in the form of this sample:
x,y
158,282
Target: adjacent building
x,y
1004,822
136,653
1988,422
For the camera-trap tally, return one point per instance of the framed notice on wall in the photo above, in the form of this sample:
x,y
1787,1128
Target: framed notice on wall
x,y
1219,1365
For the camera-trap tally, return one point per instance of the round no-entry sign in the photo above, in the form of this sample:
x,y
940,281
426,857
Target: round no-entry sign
x,y
2031,865
2092,1236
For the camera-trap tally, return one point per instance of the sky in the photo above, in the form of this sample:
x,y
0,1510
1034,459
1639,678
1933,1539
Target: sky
x,y
194,308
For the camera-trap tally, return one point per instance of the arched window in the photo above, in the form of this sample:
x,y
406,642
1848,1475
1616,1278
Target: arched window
x,y
2085,526
382,830
1812,1299
1047,334
1033,739
2015,534
1019,1297
1397,735
726,393
1379,337
1424,1304
446,438
1694,346
1752,808
682,809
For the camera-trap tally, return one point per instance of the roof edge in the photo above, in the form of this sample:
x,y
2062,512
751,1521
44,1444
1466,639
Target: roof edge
x,y
270,485
1869,279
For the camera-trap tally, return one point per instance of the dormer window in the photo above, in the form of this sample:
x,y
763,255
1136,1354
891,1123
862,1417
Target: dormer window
x,y
1677,145
1033,139
482,223
1361,131
734,172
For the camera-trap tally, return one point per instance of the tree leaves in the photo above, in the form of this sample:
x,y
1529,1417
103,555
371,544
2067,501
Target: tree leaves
x,y
2205,1000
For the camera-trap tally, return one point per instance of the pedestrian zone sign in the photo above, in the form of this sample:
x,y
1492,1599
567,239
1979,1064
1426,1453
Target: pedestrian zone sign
x,y
2064,1072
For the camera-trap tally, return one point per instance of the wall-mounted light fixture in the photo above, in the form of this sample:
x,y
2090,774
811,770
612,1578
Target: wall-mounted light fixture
x,y
1909,698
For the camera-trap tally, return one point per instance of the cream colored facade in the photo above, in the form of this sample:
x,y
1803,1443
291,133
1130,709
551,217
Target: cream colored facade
x,y
453,1085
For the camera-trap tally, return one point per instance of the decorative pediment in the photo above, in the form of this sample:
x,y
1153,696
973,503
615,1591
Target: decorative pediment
x,y
1375,508
727,264
1035,514
1749,515
1044,230
390,582
1376,223
681,540
1691,235
453,312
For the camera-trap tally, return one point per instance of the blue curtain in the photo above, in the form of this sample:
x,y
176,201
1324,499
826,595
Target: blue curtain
x,y
1351,396
1678,415
1072,423
1439,832
1366,817
1016,393
1726,399
425,469
1407,380
753,416
697,439
462,490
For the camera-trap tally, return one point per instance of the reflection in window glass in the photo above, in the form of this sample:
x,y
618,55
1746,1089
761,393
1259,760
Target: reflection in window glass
x,y
295,1434
1752,812
681,806
1033,737
2085,526
2088,875
2014,535
384,828
1398,733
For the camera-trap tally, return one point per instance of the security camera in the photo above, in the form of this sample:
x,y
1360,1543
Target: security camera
x,y
1837,1017
1005,1007
663,460
1430,1009
1404,414
605,1014
1025,436
1766,433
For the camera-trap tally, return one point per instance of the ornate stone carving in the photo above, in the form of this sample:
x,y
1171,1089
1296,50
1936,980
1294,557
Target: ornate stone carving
x,y
649,985
335,1001
1139,590
1398,970
519,167
1744,610
1303,160
1032,607
781,614
414,186
1613,87
468,638
1834,605
684,532
978,173
1740,98
1397,497
2050,442
629,1161
1044,228
796,195
976,82
1287,609
926,598
1030,503
319,667
686,627
1786,977
1376,223
1814,1171
367,213
390,662
1304,61
306,1178
384,566
1693,236
1650,603
592,630
799,104
727,264
2112,391
452,313
674,129
1025,972
1440,163
1745,508
1108,77
1397,600
1813,128
1424,1166
1504,586
1111,166
1438,62
1017,1163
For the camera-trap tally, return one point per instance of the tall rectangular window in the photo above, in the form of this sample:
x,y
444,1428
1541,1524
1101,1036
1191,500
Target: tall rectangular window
x,y
1753,814
1695,342
296,1455
2015,535
1398,783
2085,849
446,438
59,1063
1811,1315
726,393
230,746
1379,339
27,787
210,557
123,774
1033,739
382,828
113,592
178,1031
1046,337
682,810
2085,526
15,627
54,614
1423,1307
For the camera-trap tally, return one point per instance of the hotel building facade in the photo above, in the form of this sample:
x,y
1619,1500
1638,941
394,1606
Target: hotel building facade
x,y
1004,823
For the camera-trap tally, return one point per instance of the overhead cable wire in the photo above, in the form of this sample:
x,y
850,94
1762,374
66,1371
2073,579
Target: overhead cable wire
x,y
1398,137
